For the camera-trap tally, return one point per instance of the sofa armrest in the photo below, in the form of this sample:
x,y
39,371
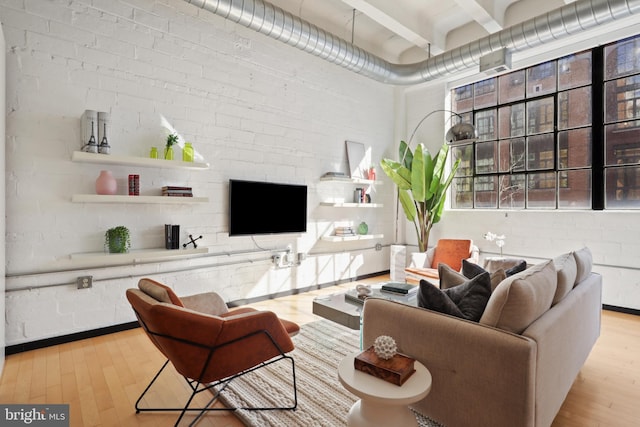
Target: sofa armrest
x,y
481,375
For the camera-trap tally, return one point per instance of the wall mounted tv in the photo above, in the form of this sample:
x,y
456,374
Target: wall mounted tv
x,y
266,208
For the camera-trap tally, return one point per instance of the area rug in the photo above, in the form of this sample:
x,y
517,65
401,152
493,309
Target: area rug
x,y
322,400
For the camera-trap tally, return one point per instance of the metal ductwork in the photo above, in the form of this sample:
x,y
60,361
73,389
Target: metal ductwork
x,y
281,25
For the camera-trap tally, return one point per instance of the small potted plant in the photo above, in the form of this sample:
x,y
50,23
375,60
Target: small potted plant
x,y
172,139
117,240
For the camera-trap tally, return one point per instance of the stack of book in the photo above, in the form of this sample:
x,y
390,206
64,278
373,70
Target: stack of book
x,y
171,236
173,191
344,231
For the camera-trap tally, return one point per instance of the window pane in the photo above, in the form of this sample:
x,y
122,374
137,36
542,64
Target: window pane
x,y
574,108
574,70
622,99
622,187
540,152
511,86
574,189
511,121
541,190
512,191
485,93
462,98
486,157
486,125
622,58
540,116
465,154
486,192
574,148
541,79
622,144
512,154
462,193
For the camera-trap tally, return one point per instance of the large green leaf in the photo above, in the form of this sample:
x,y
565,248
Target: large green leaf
x,y
405,156
418,184
438,170
400,175
407,205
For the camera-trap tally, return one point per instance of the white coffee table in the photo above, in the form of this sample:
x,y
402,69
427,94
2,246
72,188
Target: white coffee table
x,y
382,403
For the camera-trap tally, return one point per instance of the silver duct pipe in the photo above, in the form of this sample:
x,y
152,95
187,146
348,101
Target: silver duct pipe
x,y
278,24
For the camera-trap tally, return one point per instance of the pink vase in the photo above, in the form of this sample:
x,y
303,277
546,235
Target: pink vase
x,y
106,183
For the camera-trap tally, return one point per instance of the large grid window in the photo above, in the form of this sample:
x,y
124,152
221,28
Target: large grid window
x,y
564,134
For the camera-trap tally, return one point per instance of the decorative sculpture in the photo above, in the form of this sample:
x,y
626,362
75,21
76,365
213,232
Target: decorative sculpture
x,y
385,347
192,240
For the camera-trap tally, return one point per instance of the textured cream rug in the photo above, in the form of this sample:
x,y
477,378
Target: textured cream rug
x,y
322,401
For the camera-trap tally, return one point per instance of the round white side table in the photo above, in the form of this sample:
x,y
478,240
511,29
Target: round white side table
x,y
382,403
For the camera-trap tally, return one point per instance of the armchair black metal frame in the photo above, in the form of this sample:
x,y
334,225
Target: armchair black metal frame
x,y
198,387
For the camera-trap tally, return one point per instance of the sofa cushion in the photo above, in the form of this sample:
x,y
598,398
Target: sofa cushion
x,y
470,270
466,300
567,272
520,299
492,264
584,262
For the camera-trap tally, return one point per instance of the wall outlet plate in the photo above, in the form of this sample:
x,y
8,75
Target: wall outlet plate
x,y
84,282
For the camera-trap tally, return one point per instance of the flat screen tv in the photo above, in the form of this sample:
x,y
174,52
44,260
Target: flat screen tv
x,y
266,208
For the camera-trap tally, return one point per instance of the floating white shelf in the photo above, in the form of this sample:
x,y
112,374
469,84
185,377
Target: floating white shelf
x,y
348,180
352,238
110,159
352,205
136,255
117,198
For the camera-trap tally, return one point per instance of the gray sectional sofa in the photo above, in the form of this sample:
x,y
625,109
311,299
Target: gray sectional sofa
x,y
516,365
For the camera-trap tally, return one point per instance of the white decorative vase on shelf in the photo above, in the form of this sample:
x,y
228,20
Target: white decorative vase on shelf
x,y
398,263
106,184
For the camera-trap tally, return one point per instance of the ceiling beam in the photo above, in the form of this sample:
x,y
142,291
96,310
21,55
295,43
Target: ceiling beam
x,y
394,25
482,15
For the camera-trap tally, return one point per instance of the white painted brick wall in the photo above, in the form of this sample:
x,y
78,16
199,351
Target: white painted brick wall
x,y
252,107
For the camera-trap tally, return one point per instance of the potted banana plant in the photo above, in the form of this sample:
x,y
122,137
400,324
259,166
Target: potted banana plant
x,y
422,186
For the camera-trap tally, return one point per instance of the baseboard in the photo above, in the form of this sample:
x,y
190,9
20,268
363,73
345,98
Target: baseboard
x,y
621,309
48,342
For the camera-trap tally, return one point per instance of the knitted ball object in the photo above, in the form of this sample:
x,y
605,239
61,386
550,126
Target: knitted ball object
x,y
385,347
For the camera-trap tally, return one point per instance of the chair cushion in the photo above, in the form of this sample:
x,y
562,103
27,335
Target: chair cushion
x,y
159,292
466,300
520,299
451,252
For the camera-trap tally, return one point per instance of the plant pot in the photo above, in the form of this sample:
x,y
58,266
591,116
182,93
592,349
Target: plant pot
x,y
117,245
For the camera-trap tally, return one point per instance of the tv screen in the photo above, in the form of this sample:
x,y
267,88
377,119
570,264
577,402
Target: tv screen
x,y
266,208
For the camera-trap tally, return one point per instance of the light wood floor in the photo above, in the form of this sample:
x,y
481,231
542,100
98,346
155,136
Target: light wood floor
x,y
102,377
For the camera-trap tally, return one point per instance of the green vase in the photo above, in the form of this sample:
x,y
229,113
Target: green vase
x,y
168,153
363,228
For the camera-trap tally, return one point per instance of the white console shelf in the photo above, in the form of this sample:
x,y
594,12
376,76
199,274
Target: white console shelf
x,y
351,205
348,180
352,238
134,256
99,198
110,159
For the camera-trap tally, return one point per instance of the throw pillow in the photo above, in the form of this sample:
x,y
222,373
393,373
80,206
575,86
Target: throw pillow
x,y
471,270
567,272
521,266
160,292
521,298
584,262
432,298
466,300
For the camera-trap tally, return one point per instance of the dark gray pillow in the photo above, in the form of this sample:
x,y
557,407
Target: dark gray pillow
x,y
471,270
467,300
516,269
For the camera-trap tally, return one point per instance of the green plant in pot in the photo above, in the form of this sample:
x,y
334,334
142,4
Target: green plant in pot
x,y
172,139
117,240
422,186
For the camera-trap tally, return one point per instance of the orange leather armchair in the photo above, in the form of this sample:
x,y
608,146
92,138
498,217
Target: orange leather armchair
x,y
447,251
208,344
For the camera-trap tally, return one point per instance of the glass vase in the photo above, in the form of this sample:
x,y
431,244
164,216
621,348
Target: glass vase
x,y
168,153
